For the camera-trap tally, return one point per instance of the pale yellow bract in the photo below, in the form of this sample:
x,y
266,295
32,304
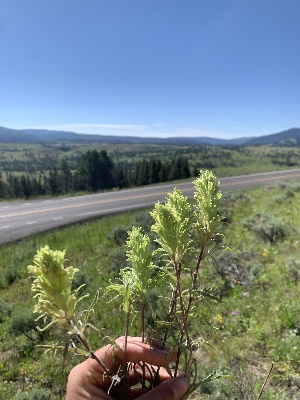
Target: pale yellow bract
x,y
52,286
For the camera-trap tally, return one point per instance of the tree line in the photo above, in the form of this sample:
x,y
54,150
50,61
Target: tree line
x,y
95,171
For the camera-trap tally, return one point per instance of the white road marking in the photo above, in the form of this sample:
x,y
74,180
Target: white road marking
x,y
31,222
5,227
57,218
88,213
148,204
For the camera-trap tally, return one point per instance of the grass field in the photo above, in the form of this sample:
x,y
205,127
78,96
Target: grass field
x,y
257,322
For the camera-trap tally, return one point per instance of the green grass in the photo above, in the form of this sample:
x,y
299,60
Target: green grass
x,y
257,322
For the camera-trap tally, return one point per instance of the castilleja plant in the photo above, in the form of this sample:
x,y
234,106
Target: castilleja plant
x,y
185,235
56,302
52,286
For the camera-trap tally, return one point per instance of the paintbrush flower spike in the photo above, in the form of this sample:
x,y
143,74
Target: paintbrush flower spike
x,y
52,286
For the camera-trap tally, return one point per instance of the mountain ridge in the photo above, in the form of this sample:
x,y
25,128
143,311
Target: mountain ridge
x,y
290,137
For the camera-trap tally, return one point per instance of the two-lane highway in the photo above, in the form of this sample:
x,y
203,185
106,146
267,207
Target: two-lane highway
x,y
21,219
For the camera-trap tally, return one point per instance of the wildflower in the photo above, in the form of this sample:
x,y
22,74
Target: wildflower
x,y
53,286
172,225
245,294
208,215
219,319
233,312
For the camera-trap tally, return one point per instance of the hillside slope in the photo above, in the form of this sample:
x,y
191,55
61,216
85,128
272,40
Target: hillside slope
x,y
288,138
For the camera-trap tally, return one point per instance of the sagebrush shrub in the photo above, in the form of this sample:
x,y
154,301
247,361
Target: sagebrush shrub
x,y
293,269
35,394
22,321
12,274
119,235
5,310
267,227
235,269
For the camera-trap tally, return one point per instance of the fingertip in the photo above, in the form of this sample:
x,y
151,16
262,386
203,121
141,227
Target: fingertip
x,y
180,386
173,389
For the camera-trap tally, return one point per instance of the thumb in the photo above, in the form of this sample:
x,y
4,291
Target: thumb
x,y
172,389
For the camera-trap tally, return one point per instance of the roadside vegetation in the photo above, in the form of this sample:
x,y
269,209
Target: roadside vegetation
x,y
67,168
256,324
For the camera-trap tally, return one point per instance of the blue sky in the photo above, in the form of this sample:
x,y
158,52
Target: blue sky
x,y
156,68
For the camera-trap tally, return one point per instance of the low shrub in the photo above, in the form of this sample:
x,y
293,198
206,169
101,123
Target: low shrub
x,y
235,269
81,279
12,274
118,260
5,310
293,270
118,235
35,394
22,322
229,203
266,227
144,220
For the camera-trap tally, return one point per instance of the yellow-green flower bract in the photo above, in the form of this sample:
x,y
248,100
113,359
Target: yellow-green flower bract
x,y
207,209
53,287
137,280
172,225
140,256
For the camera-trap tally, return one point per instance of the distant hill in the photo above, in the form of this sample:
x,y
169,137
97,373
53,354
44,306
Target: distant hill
x,y
33,135
206,140
13,135
42,135
289,137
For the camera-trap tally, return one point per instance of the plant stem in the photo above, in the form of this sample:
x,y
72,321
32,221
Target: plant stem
x,y
265,381
184,328
143,340
126,335
185,313
92,354
169,318
194,280
143,320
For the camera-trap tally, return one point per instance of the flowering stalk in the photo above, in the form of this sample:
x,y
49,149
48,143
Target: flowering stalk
x,y
172,226
182,231
55,299
52,286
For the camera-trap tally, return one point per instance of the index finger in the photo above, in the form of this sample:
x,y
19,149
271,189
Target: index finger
x,y
137,351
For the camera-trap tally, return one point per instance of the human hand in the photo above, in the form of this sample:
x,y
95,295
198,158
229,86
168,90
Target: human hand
x,y
87,380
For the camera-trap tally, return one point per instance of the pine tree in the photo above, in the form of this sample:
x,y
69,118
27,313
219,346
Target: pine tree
x,y
65,177
153,171
25,186
4,190
53,182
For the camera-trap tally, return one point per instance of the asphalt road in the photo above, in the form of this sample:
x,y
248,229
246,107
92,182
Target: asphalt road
x,y
20,219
